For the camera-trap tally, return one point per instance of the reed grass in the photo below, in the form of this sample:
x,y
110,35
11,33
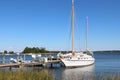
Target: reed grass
x,y
45,75
25,75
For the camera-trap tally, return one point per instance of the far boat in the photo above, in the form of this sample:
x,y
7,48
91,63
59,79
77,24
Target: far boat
x,y
77,59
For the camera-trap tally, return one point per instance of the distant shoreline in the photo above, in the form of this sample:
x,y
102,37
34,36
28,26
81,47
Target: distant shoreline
x,y
108,51
52,52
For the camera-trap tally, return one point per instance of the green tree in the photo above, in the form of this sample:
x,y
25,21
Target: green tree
x,y
42,50
27,50
35,50
5,52
11,52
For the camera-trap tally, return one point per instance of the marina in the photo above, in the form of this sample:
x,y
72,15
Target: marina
x,y
33,63
106,63
59,40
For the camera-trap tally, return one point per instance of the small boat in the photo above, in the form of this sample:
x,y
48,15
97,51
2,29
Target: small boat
x,y
34,56
13,60
16,60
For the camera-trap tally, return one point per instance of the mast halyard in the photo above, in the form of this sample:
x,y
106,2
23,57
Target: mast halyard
x,y
87,34
73,28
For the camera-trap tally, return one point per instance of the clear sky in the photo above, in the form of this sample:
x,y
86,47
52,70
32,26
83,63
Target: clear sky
x,y
46,23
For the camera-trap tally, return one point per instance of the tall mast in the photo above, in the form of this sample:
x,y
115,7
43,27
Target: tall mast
x,y
87,34
73,27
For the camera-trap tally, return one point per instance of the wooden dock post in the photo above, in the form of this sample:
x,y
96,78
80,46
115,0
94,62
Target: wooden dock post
x,y
20,65
3,57
45,61
51,65
10,68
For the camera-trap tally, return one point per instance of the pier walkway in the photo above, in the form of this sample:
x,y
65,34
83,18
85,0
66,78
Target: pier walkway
x,y
20,64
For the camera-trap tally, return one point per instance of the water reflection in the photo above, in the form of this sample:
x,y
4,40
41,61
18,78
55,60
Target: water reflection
x,y
81,73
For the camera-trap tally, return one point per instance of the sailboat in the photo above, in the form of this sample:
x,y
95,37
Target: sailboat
x,y
77,59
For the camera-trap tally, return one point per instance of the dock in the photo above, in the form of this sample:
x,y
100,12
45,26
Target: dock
x,y
21,64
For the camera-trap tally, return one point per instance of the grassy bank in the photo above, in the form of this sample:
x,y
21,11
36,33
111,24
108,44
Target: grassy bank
x,y
44,75
25,75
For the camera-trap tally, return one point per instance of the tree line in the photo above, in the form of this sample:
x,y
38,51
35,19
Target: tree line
x,y
7,52
32,50
35,50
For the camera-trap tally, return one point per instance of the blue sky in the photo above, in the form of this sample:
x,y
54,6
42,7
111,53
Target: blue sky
x,y
46,23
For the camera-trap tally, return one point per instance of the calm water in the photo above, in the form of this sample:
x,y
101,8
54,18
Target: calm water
x,y
106,63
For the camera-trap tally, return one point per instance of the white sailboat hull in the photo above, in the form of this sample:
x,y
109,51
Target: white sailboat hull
x,y
77,63
77,59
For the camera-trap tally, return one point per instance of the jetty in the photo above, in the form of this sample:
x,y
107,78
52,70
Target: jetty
x,y
33,63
